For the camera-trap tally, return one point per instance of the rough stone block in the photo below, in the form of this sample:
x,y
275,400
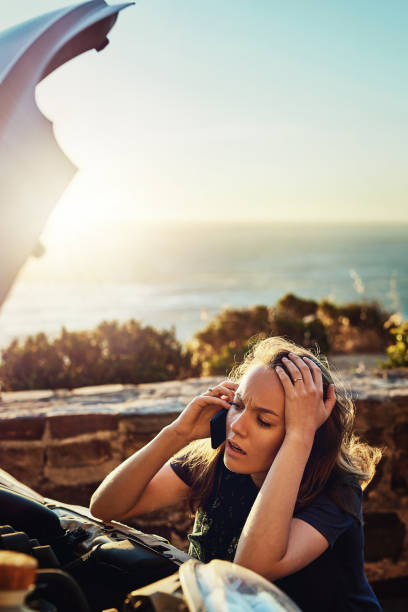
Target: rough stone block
x,y
378,411
392,593
399,473
23,462
374,436
79,475
384,535
135,443
70,425
22,428
400,435
73,454
78,494
144,424
379,472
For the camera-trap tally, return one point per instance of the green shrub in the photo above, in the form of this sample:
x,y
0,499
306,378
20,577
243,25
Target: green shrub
x,y
355,327
294,307
112,353
364,315
128,353
321,326
33,365
231,333
227,337
398,352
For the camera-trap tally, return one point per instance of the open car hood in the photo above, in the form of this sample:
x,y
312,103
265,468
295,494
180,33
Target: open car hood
x,y
33,170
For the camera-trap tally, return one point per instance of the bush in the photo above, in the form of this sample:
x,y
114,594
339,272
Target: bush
x,y
320,326
291,306
355,327
33,365
398,352
364,315
231,333
112,353
128,353
227,337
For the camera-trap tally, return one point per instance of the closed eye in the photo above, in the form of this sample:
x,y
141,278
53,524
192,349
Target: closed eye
x,y
261,422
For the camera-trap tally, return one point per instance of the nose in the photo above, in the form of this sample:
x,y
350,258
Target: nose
x,y
238,423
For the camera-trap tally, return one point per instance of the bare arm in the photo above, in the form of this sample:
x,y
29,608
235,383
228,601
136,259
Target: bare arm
x,y
272,543
143,482
117,495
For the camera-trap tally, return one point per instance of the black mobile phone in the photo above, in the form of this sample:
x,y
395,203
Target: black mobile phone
x,y
218,428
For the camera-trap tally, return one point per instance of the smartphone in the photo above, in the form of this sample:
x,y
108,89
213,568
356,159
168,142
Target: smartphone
x,y
218,428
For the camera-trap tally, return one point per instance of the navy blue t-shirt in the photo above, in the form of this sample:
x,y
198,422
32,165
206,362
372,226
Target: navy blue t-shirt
x,y
334,582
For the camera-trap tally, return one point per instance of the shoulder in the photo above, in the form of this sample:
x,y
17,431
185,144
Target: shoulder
x,y
195,465
333,512
346,492
182,468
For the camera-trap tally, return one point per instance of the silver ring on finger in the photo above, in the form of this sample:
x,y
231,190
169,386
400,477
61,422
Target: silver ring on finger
x,y
296,379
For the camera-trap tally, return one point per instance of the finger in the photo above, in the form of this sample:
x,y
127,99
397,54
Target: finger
x,y
222,388
295,373
206,400
219,389
225,383
331,399
316,373
285,380
209,392
231,384
304,369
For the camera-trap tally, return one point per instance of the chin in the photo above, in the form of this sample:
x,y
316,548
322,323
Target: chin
x,y
233,467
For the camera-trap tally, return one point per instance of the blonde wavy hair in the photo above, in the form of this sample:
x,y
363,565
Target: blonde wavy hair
x,y
338,457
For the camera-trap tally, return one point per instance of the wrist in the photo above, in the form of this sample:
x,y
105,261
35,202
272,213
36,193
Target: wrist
x,y
176,435
303,438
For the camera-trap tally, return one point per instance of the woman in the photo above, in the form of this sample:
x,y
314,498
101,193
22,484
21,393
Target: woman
x,y
282,495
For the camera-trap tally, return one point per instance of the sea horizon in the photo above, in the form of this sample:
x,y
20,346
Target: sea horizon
x,y
183,274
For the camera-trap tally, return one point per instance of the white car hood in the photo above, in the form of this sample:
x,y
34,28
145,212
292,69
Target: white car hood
x,y
34,171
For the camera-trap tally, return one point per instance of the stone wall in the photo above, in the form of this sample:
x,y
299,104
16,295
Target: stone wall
x,y
63,444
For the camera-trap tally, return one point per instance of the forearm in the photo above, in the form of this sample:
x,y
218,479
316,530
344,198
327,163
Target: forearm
x,y
264,538
122,488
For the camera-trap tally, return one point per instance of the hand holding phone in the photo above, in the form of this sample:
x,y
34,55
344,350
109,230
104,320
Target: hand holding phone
x,y
195,422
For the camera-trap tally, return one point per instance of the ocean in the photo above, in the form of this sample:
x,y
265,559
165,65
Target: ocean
x,y
181,275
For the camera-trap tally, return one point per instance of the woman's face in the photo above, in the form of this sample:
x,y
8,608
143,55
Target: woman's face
x,y
255,424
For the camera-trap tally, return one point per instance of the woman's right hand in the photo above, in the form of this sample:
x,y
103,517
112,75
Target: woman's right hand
x,y
194,422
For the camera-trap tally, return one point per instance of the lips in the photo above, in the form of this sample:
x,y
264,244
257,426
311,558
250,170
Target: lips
x,y
234,446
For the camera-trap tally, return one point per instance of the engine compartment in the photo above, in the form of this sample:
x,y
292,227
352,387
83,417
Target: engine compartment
x,y
85,564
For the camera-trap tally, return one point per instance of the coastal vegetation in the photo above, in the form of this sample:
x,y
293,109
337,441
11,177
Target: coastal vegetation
x,y
130,353
321,326
398,351
112,353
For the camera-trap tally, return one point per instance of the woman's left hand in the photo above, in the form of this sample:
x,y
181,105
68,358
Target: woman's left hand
x,y
305,409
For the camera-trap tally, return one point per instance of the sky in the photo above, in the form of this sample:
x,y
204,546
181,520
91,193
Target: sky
x,y
235,110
